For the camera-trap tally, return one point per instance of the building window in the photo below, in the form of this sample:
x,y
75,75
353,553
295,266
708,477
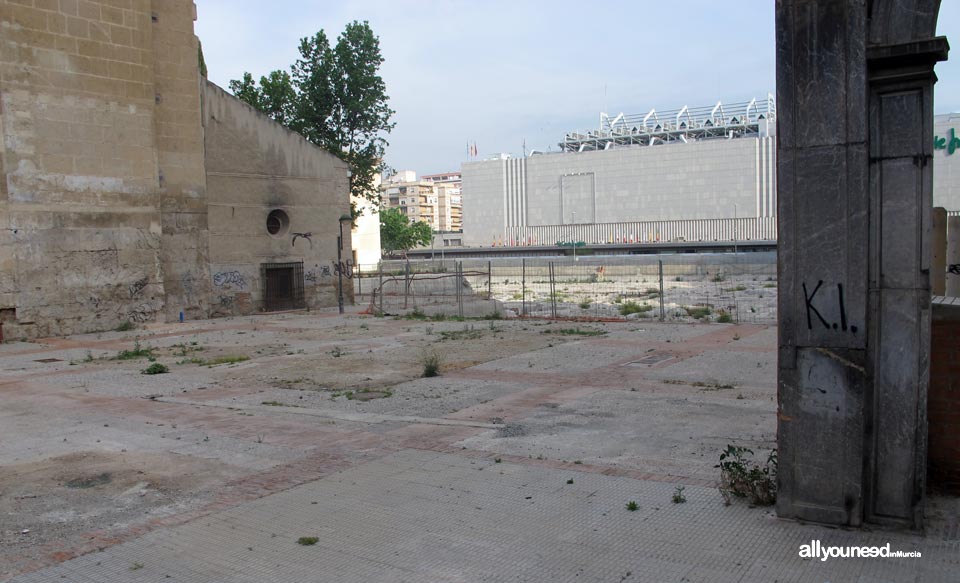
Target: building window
x,y
278,222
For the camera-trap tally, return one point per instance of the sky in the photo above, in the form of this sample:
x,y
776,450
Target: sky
x,y
502,74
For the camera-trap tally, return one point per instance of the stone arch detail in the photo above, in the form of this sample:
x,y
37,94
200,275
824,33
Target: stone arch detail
x,y
893,22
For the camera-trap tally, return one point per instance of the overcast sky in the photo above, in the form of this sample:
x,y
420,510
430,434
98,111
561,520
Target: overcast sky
x,y
499,73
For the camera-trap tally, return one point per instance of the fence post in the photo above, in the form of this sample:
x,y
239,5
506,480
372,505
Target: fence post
x,y
660,269
489,280
523,286
380,266
553,292
406,284
460,287
359,283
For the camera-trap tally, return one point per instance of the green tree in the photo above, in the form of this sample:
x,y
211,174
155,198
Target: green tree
x,y
398,234
335,98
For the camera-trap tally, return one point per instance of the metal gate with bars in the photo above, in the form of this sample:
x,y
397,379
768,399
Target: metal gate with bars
x,y
283,286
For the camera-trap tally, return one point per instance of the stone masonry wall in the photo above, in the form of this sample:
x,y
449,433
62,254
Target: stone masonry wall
x,y
255,166
79,225
180,156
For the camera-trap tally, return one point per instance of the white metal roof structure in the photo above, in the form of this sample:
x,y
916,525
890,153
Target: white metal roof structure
x,y
687,124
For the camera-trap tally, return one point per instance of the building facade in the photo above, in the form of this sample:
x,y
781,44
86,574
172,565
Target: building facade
x,y
131,189
691,174
434,199
695,174
946,161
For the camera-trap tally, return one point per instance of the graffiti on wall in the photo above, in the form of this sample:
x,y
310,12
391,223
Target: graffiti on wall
x,y
812,310
229,278
315,275
141,313
344,267
137,287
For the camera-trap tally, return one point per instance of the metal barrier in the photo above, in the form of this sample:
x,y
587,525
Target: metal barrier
x,y
726,287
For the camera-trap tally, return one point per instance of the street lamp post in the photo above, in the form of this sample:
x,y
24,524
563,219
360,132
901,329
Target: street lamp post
x,y
343,218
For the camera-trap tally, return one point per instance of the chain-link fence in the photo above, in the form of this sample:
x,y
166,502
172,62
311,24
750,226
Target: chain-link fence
x,y
726,287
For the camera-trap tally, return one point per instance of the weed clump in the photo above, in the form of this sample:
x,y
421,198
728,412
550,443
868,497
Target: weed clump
x,y
724,317
137,352
308,540
431,361
125,326
632,506
155,368
743,478
627,308
698,312
678,497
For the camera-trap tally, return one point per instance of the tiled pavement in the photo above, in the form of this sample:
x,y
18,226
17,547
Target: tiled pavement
x,y
425,516
406,498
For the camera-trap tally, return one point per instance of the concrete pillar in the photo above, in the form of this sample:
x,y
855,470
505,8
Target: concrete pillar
x,y
938,266
854,89
953,257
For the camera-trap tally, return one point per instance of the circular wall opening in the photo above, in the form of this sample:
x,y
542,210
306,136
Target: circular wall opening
x,y
278,222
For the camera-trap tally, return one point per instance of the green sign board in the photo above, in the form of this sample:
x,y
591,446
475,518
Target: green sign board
x,y
950,143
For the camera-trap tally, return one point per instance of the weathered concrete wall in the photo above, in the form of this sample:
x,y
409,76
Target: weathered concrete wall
x,y
79,192
253,167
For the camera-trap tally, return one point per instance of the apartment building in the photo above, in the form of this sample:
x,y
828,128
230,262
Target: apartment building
x,y
433,199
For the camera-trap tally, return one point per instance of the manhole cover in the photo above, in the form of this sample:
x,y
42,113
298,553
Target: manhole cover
x,y
46,360
651,359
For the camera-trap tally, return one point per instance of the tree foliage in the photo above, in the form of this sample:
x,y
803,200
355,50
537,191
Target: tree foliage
x,y
334,97
398,234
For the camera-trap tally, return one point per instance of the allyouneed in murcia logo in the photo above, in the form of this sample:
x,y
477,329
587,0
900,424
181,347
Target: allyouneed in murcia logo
x,y
815,550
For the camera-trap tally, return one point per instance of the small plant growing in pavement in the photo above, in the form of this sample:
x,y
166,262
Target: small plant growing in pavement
x,y
678,497
497,460
155,368
337,352
125,326
431,361
632,506
136,566
743,478
137,352
570,481
308,540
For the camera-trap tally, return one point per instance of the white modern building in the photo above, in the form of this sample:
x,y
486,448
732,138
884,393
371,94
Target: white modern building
x,y
692,174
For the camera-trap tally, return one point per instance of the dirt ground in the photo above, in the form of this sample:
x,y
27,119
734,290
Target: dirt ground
x,y
96,452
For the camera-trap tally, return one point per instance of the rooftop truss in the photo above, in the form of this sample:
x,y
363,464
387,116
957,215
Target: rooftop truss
x,y
688,124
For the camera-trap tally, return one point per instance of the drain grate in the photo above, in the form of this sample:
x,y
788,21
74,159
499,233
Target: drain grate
x,y
651,359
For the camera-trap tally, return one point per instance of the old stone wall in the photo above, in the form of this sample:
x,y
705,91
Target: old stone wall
x,y
254,167
79,192
180,157
104,208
